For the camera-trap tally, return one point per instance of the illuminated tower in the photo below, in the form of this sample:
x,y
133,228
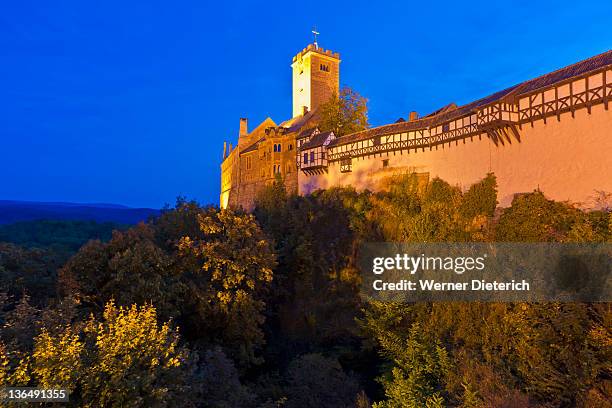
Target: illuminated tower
x,y
316,77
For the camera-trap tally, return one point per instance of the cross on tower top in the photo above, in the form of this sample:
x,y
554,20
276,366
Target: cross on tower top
x,y
315,33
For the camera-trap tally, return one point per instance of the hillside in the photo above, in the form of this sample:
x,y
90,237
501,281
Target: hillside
x,y
16,211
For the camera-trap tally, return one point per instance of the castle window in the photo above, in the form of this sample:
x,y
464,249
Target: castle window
x,y
346,165
248,163
279,147
290,146
385,163
312,157
445,127
323,155
305,158
324,67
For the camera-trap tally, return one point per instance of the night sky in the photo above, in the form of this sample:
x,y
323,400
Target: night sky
x,y
129,102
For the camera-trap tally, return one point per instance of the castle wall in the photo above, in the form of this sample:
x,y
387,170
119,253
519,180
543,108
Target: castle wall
x,y
245,174
312,85
229,168
550,133
323,83
568,159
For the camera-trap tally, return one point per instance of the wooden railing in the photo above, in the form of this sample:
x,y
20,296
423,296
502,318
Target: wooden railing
x,y
568,103
422,142
498,114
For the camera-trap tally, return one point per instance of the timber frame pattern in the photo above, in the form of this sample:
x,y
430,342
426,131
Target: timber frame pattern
x,y
499,117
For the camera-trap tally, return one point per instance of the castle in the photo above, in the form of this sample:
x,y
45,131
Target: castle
x,y
552,133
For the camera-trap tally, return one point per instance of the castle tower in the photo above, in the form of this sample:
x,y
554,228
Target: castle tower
x,y
316,77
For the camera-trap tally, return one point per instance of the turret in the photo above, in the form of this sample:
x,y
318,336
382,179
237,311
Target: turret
x,y
316,77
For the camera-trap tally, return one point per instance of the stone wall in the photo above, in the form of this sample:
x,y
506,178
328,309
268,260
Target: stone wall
x,y
254,170
567,159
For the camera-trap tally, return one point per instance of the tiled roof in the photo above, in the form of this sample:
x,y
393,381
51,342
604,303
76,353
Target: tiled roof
x,y
253,146
570,71
449,112
291,125
306,133
316,141
447,108
295,124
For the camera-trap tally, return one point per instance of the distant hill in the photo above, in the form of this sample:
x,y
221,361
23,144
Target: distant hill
x,y
16,211
64,238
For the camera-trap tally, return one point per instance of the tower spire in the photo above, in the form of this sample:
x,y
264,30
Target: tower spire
x,y
315,33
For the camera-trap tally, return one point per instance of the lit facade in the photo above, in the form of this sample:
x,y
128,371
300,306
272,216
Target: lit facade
x,y
552,133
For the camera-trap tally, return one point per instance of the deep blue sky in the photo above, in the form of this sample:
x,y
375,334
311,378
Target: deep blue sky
x,y
129,102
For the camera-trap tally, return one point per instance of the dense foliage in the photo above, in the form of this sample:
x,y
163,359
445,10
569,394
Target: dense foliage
x,y
344,113
219,308
60,236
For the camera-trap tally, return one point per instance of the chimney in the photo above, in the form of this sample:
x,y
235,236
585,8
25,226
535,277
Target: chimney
x,y
413,116
230,149
224,150
244,127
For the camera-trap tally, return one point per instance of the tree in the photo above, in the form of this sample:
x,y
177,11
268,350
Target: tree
x,y
124,359
130,269
481,198
28,271
317,381
558,354
270,208
314,298
345,113
62,237
217,384
421,368
18,324
414,210
279,287
227,293
205,268
534,218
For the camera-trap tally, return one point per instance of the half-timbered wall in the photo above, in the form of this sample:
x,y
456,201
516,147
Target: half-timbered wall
x,y
313,158
557,139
